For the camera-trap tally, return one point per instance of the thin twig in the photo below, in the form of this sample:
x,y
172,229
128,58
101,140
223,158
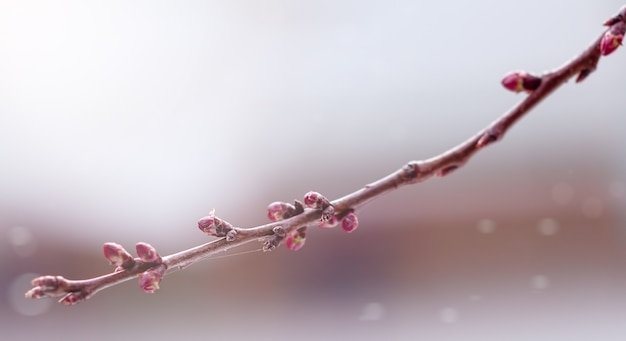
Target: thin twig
x,y
151,268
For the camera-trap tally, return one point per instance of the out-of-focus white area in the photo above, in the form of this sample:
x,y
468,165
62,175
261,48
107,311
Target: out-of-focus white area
x,y
127,121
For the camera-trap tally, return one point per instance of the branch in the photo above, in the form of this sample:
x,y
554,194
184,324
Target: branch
x,y
290,221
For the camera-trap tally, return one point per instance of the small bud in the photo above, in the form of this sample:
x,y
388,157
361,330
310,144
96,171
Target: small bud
x,y
147,253
231,235
47,286
519,81
214,226
327,214
278,210
315,200
74,297
447,170
36,292
149,280
332,222
295,239
279,231
271,243
349,223
117,255
612,38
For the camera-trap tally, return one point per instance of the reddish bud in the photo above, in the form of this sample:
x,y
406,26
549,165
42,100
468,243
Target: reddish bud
x,y
519,81
74,297
315,200
149,280
117,255
295,239
214,226
612,38
47,286
280,210
349,223
147,253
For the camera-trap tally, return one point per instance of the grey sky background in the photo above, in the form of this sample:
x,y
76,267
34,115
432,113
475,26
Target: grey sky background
x,y
127,117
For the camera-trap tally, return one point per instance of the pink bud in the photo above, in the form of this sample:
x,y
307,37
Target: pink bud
x,y
147,253
612,38
315,200
280,210
295,239
214,226
149,280
74,297
518,81
117,255
349,223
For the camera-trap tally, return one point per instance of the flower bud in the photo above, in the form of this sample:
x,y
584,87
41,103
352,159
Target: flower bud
x,y
74,297
519,81
280,210
147,253
149,280
612,38
214,226
315,200
295,239
349,223
117,255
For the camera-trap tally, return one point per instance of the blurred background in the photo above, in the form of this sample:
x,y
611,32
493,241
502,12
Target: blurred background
x,y
127,121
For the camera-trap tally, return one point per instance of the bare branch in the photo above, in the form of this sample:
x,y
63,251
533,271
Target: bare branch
x,y
291,221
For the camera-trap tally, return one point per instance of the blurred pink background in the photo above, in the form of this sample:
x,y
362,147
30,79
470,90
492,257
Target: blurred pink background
x,y
127,121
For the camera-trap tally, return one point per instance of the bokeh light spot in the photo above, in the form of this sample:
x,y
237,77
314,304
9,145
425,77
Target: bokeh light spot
x,y
617,189
449,315
22,305
372,311
539,282
22,240
486,226
548,226
592,207
562,193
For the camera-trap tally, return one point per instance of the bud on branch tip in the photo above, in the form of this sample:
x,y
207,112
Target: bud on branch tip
x,y
612,38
